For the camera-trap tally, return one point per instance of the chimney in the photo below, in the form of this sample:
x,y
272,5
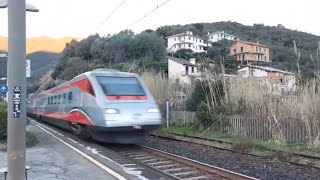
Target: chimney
x,y
193,61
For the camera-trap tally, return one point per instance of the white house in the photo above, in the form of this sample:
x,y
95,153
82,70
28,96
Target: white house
x,y
182,70
277,80
186,41
220,35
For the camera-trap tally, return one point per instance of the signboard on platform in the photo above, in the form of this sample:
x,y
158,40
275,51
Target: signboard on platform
x,y
3,67
28,69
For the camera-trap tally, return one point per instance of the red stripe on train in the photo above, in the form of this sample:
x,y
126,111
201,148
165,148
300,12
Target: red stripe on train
x,y
75,116
84,85
115,98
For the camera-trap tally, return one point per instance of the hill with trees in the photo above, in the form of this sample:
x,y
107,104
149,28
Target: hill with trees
x,y
147,50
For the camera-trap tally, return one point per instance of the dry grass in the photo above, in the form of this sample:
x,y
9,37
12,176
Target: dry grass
x,y
255,100
158,85
279,108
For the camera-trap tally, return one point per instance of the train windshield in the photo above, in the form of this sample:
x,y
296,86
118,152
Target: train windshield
x,y
121,86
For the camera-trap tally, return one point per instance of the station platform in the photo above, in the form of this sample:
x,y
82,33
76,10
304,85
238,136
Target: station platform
x,y
52,160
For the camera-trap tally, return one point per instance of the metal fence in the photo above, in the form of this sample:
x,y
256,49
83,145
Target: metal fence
x,y
293,130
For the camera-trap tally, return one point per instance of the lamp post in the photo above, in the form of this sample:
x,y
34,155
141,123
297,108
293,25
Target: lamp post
x,y
16,79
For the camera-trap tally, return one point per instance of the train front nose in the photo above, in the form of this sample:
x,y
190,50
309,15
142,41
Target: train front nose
x,y
137,115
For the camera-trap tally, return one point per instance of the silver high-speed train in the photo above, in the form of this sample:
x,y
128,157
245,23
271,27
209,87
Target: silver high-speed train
x,y
106,105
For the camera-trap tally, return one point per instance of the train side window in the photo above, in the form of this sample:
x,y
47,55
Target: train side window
x,y
51,101
64,98
69,97
55,100
59,99
48,100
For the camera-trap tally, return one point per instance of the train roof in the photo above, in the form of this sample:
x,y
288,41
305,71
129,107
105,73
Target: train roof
x,y
96,72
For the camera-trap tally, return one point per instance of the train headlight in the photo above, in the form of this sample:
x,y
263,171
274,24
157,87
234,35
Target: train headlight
x,y
153,110
111,111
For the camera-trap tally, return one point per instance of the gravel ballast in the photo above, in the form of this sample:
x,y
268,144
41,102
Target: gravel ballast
x,y
258,167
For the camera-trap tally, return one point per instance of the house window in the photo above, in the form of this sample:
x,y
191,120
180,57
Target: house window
x,y
196,40
265,58
256,49
174,39
187,70
260,50
189,38
235,50
243,57
192,69
241,49
189,45
265,50
200,40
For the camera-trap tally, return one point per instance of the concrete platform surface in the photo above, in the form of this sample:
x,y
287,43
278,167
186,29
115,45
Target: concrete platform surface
x,y
52,160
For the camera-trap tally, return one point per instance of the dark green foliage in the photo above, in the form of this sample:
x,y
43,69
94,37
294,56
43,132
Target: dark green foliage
x,y
115,52
212,95
31,139
219,49
3,121
100,66
198,96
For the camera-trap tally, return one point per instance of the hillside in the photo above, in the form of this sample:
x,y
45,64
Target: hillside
x,y
41,62
41,43
280,40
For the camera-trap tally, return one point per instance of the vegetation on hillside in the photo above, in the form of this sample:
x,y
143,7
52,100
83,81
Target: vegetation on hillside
x,y
280,40
124,51
147,49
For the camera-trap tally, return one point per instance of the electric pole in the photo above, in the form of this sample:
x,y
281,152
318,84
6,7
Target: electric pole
x,y
16,75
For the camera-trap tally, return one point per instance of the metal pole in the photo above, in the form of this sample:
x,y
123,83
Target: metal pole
x,y
17,89
167,111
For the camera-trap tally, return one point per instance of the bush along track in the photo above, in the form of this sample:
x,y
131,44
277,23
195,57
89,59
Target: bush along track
x,y
31,139
244,147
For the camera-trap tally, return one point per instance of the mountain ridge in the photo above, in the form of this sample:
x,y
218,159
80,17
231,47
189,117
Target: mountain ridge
x,y
41,43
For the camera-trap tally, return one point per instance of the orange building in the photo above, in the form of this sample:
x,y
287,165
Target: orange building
x,y
245,51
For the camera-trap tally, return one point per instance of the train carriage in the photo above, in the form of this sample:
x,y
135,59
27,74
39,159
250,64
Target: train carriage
x,y
106,105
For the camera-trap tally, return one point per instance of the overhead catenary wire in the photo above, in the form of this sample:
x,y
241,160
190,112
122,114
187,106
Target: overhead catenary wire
x,y
150,12
109,16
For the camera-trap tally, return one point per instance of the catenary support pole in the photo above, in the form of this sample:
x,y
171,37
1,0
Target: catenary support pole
x,y
16,75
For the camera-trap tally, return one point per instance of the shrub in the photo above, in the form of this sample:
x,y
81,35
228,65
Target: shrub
x,y
3,120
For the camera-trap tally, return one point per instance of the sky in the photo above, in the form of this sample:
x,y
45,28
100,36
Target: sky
x,y
81,18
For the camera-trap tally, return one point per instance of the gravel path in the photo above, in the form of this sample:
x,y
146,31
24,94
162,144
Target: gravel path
x,y
258,167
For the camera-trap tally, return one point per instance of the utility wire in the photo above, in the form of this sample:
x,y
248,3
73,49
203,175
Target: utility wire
x,y
150,12
108,17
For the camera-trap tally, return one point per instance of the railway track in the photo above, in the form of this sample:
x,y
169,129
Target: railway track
x,y
176,167
291,157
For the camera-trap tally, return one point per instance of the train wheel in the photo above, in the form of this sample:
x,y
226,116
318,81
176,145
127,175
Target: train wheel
x,y
80,130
